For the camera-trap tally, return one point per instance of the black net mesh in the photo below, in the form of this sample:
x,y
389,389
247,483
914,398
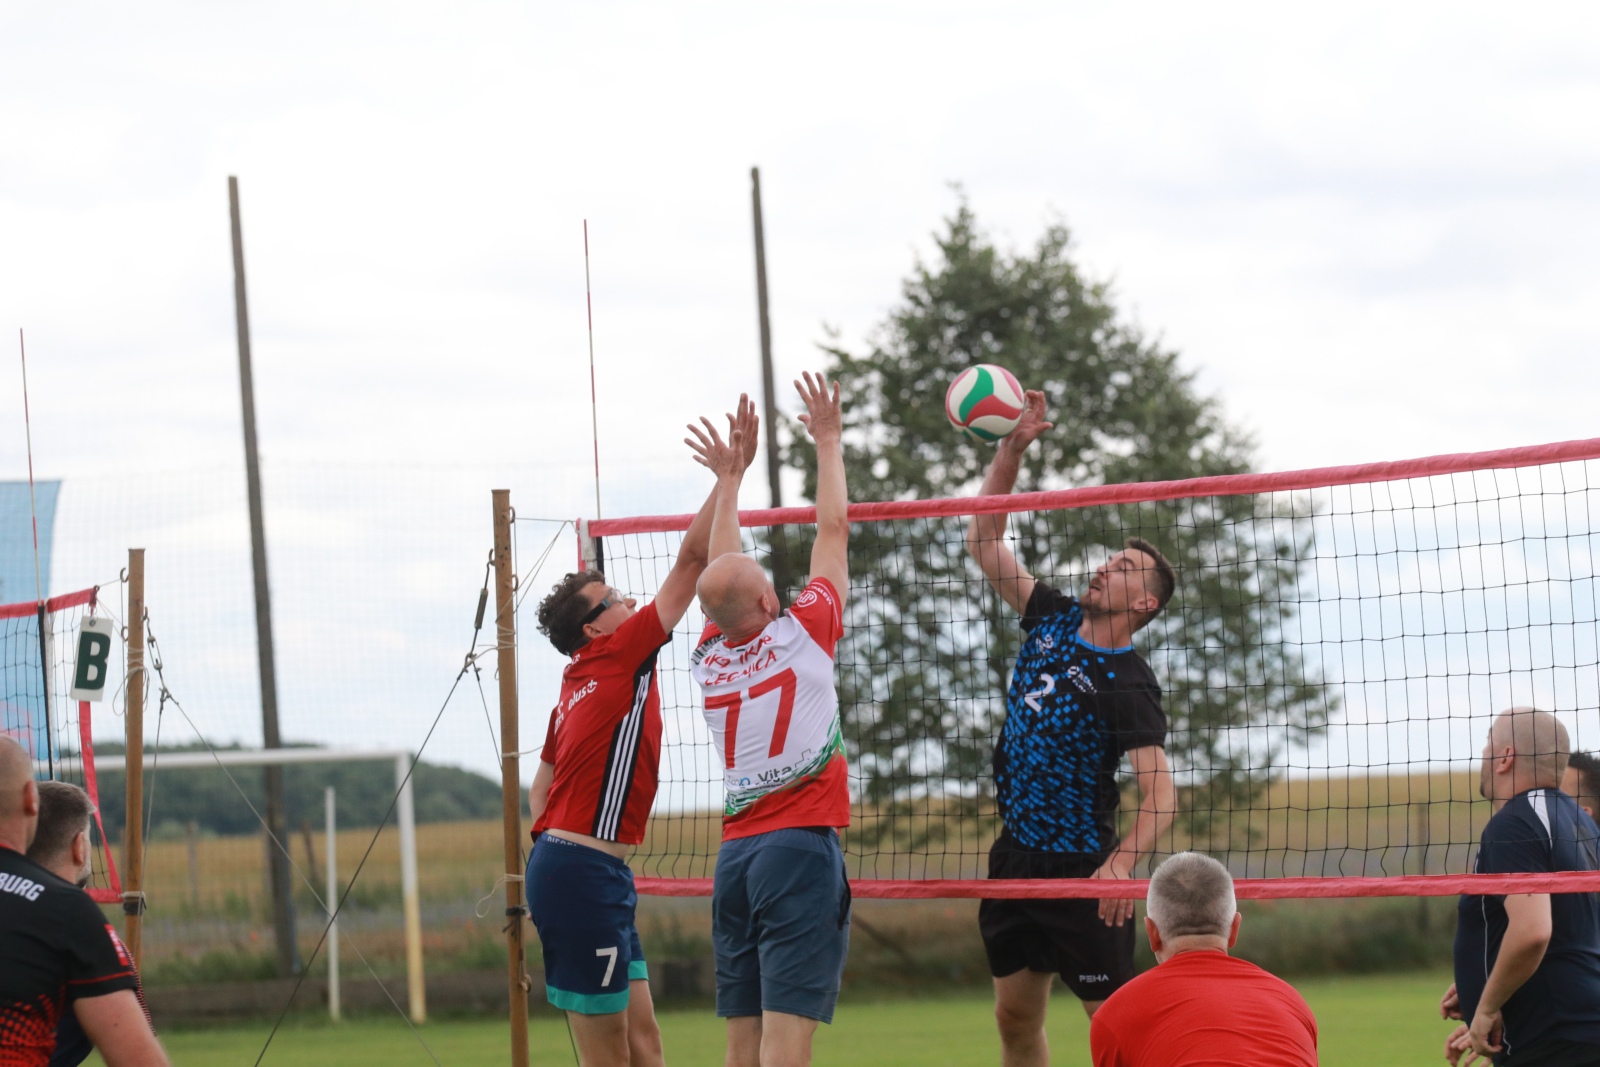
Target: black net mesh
x,y
1330,663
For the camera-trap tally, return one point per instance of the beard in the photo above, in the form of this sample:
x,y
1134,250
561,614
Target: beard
x,y
83,880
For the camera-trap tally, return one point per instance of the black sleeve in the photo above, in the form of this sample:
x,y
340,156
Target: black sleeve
x,y
1137,716
97,961
1046,600
1513,843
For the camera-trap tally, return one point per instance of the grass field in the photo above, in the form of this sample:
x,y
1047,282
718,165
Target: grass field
x,y
1370,1021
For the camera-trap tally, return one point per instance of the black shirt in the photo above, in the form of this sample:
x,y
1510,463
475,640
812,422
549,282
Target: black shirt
x,y
55,947
1540,830
1073,711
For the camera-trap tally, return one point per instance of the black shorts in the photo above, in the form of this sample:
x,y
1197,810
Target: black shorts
x,y
1065,937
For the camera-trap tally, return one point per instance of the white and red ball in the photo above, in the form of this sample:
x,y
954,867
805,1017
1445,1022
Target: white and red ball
x,y
984,402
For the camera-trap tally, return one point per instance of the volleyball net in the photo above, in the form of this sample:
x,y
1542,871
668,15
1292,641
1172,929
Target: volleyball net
x,y
39,645
1338,644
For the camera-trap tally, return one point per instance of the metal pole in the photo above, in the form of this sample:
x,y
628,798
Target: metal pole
x,y
133,829
331,856
282,906
510,775
769,408
415,982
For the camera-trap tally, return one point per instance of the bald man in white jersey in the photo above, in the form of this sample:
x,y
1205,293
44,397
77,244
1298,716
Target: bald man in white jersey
x,y
781,904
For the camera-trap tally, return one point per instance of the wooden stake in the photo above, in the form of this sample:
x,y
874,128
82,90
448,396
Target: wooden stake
x,y
510,776
133,830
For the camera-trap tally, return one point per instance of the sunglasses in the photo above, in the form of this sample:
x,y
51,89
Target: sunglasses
x,y
610,600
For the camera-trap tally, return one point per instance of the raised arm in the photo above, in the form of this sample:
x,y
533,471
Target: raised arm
x,y
986,533
830,552
743,435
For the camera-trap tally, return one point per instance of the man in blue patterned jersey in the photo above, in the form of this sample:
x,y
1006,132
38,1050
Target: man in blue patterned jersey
x,y
1527,988
1081,699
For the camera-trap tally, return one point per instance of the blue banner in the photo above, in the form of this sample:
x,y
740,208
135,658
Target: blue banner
x,y
22,678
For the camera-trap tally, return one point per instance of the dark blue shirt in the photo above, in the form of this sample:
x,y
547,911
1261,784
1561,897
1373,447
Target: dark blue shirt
x,y
1540,830
1072,712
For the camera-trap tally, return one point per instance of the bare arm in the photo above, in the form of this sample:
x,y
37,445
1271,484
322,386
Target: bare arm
x,y
986,533
830,552
118,1027
1158,804
677,591
1521,951
539,791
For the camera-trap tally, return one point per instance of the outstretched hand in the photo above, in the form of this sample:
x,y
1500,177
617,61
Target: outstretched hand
x,y
823,418
726,459
1031,425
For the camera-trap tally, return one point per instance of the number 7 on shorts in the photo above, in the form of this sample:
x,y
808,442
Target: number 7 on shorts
x,y
611,963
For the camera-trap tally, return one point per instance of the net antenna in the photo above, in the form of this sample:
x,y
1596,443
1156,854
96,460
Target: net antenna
x,y
38,571
594,403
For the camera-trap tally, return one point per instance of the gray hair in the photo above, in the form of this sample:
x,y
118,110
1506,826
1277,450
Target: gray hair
x,y
1191,895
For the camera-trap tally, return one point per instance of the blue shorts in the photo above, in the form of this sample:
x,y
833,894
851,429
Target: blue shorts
x,y
780,915
582,903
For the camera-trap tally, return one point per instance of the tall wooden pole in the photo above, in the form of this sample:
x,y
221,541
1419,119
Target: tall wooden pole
x,y
133,830
505,620
769,406
278,859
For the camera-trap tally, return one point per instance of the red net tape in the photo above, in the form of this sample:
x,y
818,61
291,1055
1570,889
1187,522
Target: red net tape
x,y
1138,492
1433,885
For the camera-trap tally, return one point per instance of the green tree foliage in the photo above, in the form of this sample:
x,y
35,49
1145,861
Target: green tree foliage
x,y
929,648
206,797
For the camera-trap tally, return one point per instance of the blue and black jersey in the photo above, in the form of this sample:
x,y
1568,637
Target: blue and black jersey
x,y
1072,713
1538,831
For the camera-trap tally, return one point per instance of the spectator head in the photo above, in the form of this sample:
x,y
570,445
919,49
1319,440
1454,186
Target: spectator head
x,y
19,795
61,842
1527,749
1582,781
736,594
1190,906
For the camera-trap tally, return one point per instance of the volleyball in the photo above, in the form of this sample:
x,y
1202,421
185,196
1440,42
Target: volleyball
x,y
984,402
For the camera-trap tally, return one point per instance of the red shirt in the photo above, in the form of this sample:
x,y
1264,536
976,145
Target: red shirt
x,y
1204,1009
773,712
604,738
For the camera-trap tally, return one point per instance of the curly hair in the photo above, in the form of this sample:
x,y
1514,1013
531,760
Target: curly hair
x,y
561,613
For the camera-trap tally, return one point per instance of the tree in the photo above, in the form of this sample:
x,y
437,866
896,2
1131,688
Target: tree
x,y
929,647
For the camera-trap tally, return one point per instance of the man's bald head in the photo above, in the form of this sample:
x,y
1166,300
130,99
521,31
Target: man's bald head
x,y
1539,742
736,594
19,796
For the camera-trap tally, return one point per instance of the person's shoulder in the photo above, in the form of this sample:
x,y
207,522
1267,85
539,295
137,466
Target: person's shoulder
x,y
1046,602
34,882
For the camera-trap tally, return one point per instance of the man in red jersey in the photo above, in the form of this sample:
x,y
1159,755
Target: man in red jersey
x,y
57,952
780,904
596,781
1200,1007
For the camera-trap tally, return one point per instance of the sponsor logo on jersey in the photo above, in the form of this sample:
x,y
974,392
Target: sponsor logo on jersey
x,y
17,885
582,692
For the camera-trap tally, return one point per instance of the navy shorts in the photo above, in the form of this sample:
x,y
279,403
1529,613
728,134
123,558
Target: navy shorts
x,y
582,903
780,914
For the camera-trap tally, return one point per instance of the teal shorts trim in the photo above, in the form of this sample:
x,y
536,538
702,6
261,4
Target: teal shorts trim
x,y
587,1004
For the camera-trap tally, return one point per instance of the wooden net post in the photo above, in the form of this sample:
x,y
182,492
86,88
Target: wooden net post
x,y
510,776
133,830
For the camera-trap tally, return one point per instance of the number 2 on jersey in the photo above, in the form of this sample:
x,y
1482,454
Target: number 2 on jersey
x,y
784,683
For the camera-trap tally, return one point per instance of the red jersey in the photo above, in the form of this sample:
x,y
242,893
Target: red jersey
x,y
604,738
773,711
1204,1009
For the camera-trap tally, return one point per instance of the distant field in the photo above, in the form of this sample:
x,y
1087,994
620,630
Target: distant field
x,y
1390,1021
1394,824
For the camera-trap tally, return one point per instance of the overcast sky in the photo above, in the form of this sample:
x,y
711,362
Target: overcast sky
x,y
1370,229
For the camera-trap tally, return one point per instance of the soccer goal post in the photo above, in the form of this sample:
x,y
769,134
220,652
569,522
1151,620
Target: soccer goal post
x,y
1337,646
